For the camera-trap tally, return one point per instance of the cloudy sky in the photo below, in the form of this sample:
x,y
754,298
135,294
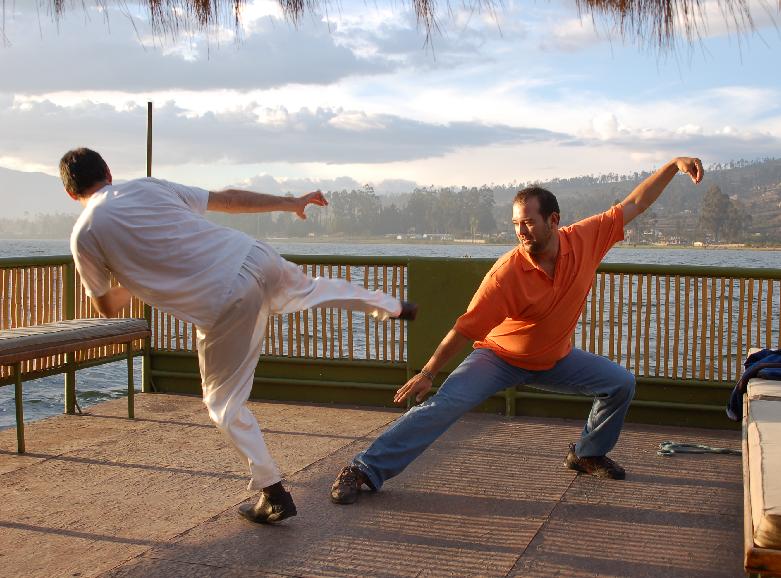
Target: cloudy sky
x,y
356,95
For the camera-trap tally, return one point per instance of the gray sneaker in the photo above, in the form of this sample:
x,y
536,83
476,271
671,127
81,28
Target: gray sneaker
x,y
347,485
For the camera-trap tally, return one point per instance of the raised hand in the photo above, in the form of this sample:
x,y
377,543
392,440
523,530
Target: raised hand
x,y
418,386
313,198
692,167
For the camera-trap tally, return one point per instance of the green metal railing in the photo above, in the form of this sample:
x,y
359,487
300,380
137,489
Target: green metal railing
x,y
683,331
36,290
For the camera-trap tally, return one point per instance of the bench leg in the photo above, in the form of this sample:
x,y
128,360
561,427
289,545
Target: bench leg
x,y
19,408
70,383
130,386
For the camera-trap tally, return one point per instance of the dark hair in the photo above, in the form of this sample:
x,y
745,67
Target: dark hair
x,y
547,200
80,169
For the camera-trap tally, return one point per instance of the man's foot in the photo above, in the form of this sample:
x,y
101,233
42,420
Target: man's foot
x,y
599,466
347,485
408,311
272,507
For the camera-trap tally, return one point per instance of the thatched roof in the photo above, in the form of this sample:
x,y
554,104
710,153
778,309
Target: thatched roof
x,y
654,22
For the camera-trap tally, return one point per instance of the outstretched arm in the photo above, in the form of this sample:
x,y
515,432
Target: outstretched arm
x,y
649,190
239,201
419,384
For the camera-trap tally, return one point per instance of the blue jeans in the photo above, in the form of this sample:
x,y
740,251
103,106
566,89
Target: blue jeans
x,y
483,374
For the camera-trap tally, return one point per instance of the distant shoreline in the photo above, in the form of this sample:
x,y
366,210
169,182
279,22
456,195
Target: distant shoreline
x,y
460,242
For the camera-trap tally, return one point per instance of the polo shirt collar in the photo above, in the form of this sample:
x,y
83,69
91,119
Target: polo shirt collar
x,y
564,248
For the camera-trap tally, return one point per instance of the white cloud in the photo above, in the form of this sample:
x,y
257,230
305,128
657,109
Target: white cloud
x,y
605,126
355,121
88,56
359,94
570,35
242,136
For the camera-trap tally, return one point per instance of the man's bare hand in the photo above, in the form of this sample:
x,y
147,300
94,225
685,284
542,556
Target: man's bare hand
x,y
313,198
692,167
418,385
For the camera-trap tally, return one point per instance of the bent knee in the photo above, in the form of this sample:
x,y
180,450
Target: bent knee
x,y
625,388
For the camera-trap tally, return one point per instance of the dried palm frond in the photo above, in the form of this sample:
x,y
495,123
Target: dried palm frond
x,y
656,22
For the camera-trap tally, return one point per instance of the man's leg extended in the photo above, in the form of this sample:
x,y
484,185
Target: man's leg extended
x,y
291,290
479,376
228,354
612,388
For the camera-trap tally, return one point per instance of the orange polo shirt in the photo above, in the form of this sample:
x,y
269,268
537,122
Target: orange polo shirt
x,y
526,317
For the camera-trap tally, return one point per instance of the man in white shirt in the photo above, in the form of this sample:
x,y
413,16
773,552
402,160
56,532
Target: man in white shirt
x,y
153,237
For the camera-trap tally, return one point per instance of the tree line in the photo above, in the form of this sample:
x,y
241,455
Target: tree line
x,y
740,202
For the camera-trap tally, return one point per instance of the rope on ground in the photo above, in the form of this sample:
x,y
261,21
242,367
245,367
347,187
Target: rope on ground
x,y
668,449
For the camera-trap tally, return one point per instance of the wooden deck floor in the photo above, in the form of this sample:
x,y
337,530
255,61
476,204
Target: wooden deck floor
x,y
99,495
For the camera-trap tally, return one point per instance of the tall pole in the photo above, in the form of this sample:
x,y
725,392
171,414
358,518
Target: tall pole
x,y
149,139
146,363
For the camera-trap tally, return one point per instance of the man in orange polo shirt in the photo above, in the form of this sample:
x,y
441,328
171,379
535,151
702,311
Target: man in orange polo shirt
x,y
521,320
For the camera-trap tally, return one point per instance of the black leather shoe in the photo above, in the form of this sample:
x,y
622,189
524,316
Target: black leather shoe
x,y
347,485
408,311
270,508
599,466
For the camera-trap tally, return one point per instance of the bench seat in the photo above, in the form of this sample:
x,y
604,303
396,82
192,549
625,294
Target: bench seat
x,y
66,337
23,343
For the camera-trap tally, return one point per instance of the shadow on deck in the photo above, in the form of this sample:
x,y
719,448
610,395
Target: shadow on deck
x,y
101,495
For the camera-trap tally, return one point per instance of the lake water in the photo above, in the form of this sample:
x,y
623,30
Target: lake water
x,y
45,397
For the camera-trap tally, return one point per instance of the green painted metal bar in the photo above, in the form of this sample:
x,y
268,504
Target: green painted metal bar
x,y
70,383
691,270
696,383
286,380
18,400
146,364
635,402
347,260
510,401
672,270
363,363
504,395
69,291
60,370
69,312
42,261
130,385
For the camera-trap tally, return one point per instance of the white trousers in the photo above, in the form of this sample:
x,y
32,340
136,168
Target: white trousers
x,y
228,351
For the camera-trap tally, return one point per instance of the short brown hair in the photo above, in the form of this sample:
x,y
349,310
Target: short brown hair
x,y
547,200
80,169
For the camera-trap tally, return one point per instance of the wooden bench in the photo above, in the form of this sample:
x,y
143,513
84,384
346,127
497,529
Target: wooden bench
x,y
66,337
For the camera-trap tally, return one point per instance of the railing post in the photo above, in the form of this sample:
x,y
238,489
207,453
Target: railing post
x,y
18,400
146,360
130,382
509,401
69,296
